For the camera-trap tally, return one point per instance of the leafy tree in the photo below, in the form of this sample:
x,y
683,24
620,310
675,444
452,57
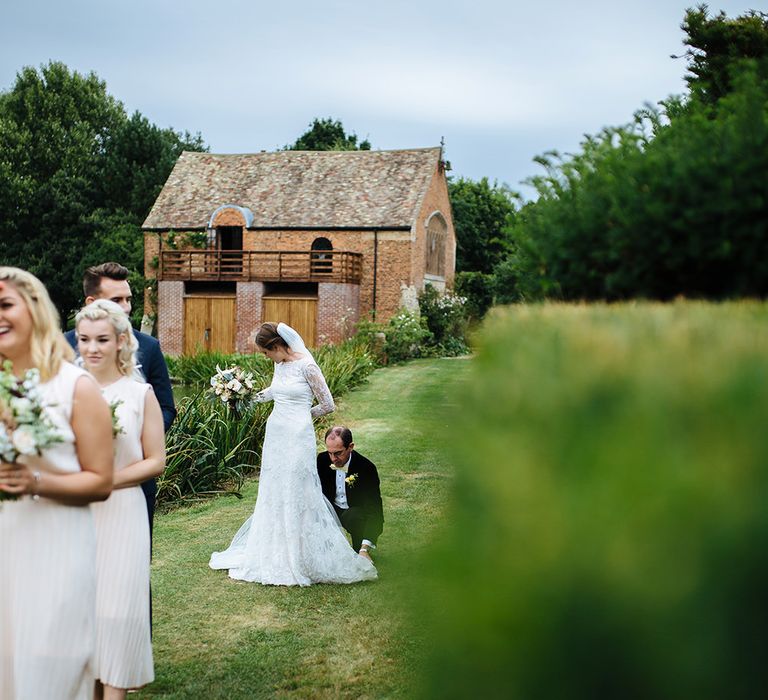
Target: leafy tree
x,y
77,178
717,45
482,215
675,209
138,159
328,135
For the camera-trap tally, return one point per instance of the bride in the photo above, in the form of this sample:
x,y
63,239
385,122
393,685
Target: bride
x,y
293,537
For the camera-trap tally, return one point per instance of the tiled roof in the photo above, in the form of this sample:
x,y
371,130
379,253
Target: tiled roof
x,y
298,188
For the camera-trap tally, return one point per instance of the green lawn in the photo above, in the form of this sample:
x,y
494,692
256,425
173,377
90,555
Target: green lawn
x,y
218,638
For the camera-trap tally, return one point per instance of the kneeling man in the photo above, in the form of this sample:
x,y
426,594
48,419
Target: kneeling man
x,y
351,483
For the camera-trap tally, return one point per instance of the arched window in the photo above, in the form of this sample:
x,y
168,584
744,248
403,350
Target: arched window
x,y
437,231
322,262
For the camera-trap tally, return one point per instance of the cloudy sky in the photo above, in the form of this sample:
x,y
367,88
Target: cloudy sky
x,y
500,81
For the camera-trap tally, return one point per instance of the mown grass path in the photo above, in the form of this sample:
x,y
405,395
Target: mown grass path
x,y
218,638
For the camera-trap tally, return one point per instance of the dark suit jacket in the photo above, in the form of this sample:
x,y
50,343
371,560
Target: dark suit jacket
x,y
154,369
365,492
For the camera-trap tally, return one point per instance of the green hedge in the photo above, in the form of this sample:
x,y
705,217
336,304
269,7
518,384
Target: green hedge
x,y
655,209
608,533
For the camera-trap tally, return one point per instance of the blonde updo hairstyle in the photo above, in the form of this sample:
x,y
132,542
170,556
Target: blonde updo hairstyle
x,y
104,309
48,347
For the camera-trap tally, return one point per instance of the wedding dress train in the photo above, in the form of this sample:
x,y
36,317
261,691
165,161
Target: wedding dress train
x,y
293,536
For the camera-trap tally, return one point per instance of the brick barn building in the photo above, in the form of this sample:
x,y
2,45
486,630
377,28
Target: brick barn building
x,y
315,239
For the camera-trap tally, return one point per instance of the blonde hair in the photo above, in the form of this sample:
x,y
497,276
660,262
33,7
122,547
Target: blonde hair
x,y
48,347
104,309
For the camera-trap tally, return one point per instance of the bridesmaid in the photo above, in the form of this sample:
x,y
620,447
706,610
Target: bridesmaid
x,y
123,656
47,538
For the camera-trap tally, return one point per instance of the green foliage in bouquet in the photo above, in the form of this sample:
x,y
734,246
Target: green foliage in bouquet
x,y
608,530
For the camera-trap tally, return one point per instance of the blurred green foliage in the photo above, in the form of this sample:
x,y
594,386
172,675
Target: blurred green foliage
x,y
608,531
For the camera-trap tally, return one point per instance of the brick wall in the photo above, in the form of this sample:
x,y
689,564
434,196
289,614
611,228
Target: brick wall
x,y
170,319
229,217
400,268
338,310
435,200
248,313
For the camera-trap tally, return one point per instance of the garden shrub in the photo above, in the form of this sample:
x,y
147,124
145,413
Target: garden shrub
x,y
209,450
477,289
444,314
406,333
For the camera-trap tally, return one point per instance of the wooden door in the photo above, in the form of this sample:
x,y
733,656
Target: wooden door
x,y
299,313
209,324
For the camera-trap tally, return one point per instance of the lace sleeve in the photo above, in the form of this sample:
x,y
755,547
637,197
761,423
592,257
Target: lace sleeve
x,y
320,389
263,396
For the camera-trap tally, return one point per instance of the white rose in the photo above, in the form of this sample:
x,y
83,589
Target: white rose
x,y
21,406
234,385
24,440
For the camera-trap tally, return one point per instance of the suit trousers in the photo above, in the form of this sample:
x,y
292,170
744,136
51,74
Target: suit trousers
x,y
354,520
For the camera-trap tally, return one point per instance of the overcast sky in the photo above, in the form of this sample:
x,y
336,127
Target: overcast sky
x,y
501,81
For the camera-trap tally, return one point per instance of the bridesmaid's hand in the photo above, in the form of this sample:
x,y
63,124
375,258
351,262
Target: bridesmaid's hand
x,y
16,478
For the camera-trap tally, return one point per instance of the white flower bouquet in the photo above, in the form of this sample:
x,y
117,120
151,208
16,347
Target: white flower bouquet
x,y
25,428
232,386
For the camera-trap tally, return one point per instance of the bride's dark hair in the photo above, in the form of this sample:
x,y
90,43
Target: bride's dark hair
x,y
268,338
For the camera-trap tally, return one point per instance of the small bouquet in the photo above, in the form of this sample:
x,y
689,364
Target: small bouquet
x,y
350,480
116,427
232,386
25,428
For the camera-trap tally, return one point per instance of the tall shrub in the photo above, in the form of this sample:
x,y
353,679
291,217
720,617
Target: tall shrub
x,y
656,210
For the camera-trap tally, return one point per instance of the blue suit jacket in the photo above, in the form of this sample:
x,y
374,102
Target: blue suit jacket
x,y
154,369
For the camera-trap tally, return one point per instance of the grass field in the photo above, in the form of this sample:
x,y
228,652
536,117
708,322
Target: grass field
x,y
218,638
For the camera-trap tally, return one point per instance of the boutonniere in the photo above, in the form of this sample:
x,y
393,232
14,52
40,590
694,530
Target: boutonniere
x,y
350,480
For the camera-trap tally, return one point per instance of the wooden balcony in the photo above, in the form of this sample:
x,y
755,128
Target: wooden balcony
x,y
261,266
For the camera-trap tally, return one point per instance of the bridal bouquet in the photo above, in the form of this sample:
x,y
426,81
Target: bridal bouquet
x,y
25,428
232,386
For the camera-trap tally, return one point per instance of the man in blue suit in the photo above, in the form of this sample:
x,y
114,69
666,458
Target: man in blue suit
x,y
110,281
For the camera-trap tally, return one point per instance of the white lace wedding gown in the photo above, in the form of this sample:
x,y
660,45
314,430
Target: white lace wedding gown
x,y
293,537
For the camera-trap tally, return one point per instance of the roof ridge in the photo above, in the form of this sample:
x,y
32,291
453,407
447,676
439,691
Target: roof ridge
x,y
280,152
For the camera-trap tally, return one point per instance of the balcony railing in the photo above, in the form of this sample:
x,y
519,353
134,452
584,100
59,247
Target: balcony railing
x,y
261,266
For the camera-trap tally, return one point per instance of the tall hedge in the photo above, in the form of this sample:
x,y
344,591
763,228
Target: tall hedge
x,y
656,209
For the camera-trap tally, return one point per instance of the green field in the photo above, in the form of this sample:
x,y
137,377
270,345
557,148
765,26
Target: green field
x,y
217,638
